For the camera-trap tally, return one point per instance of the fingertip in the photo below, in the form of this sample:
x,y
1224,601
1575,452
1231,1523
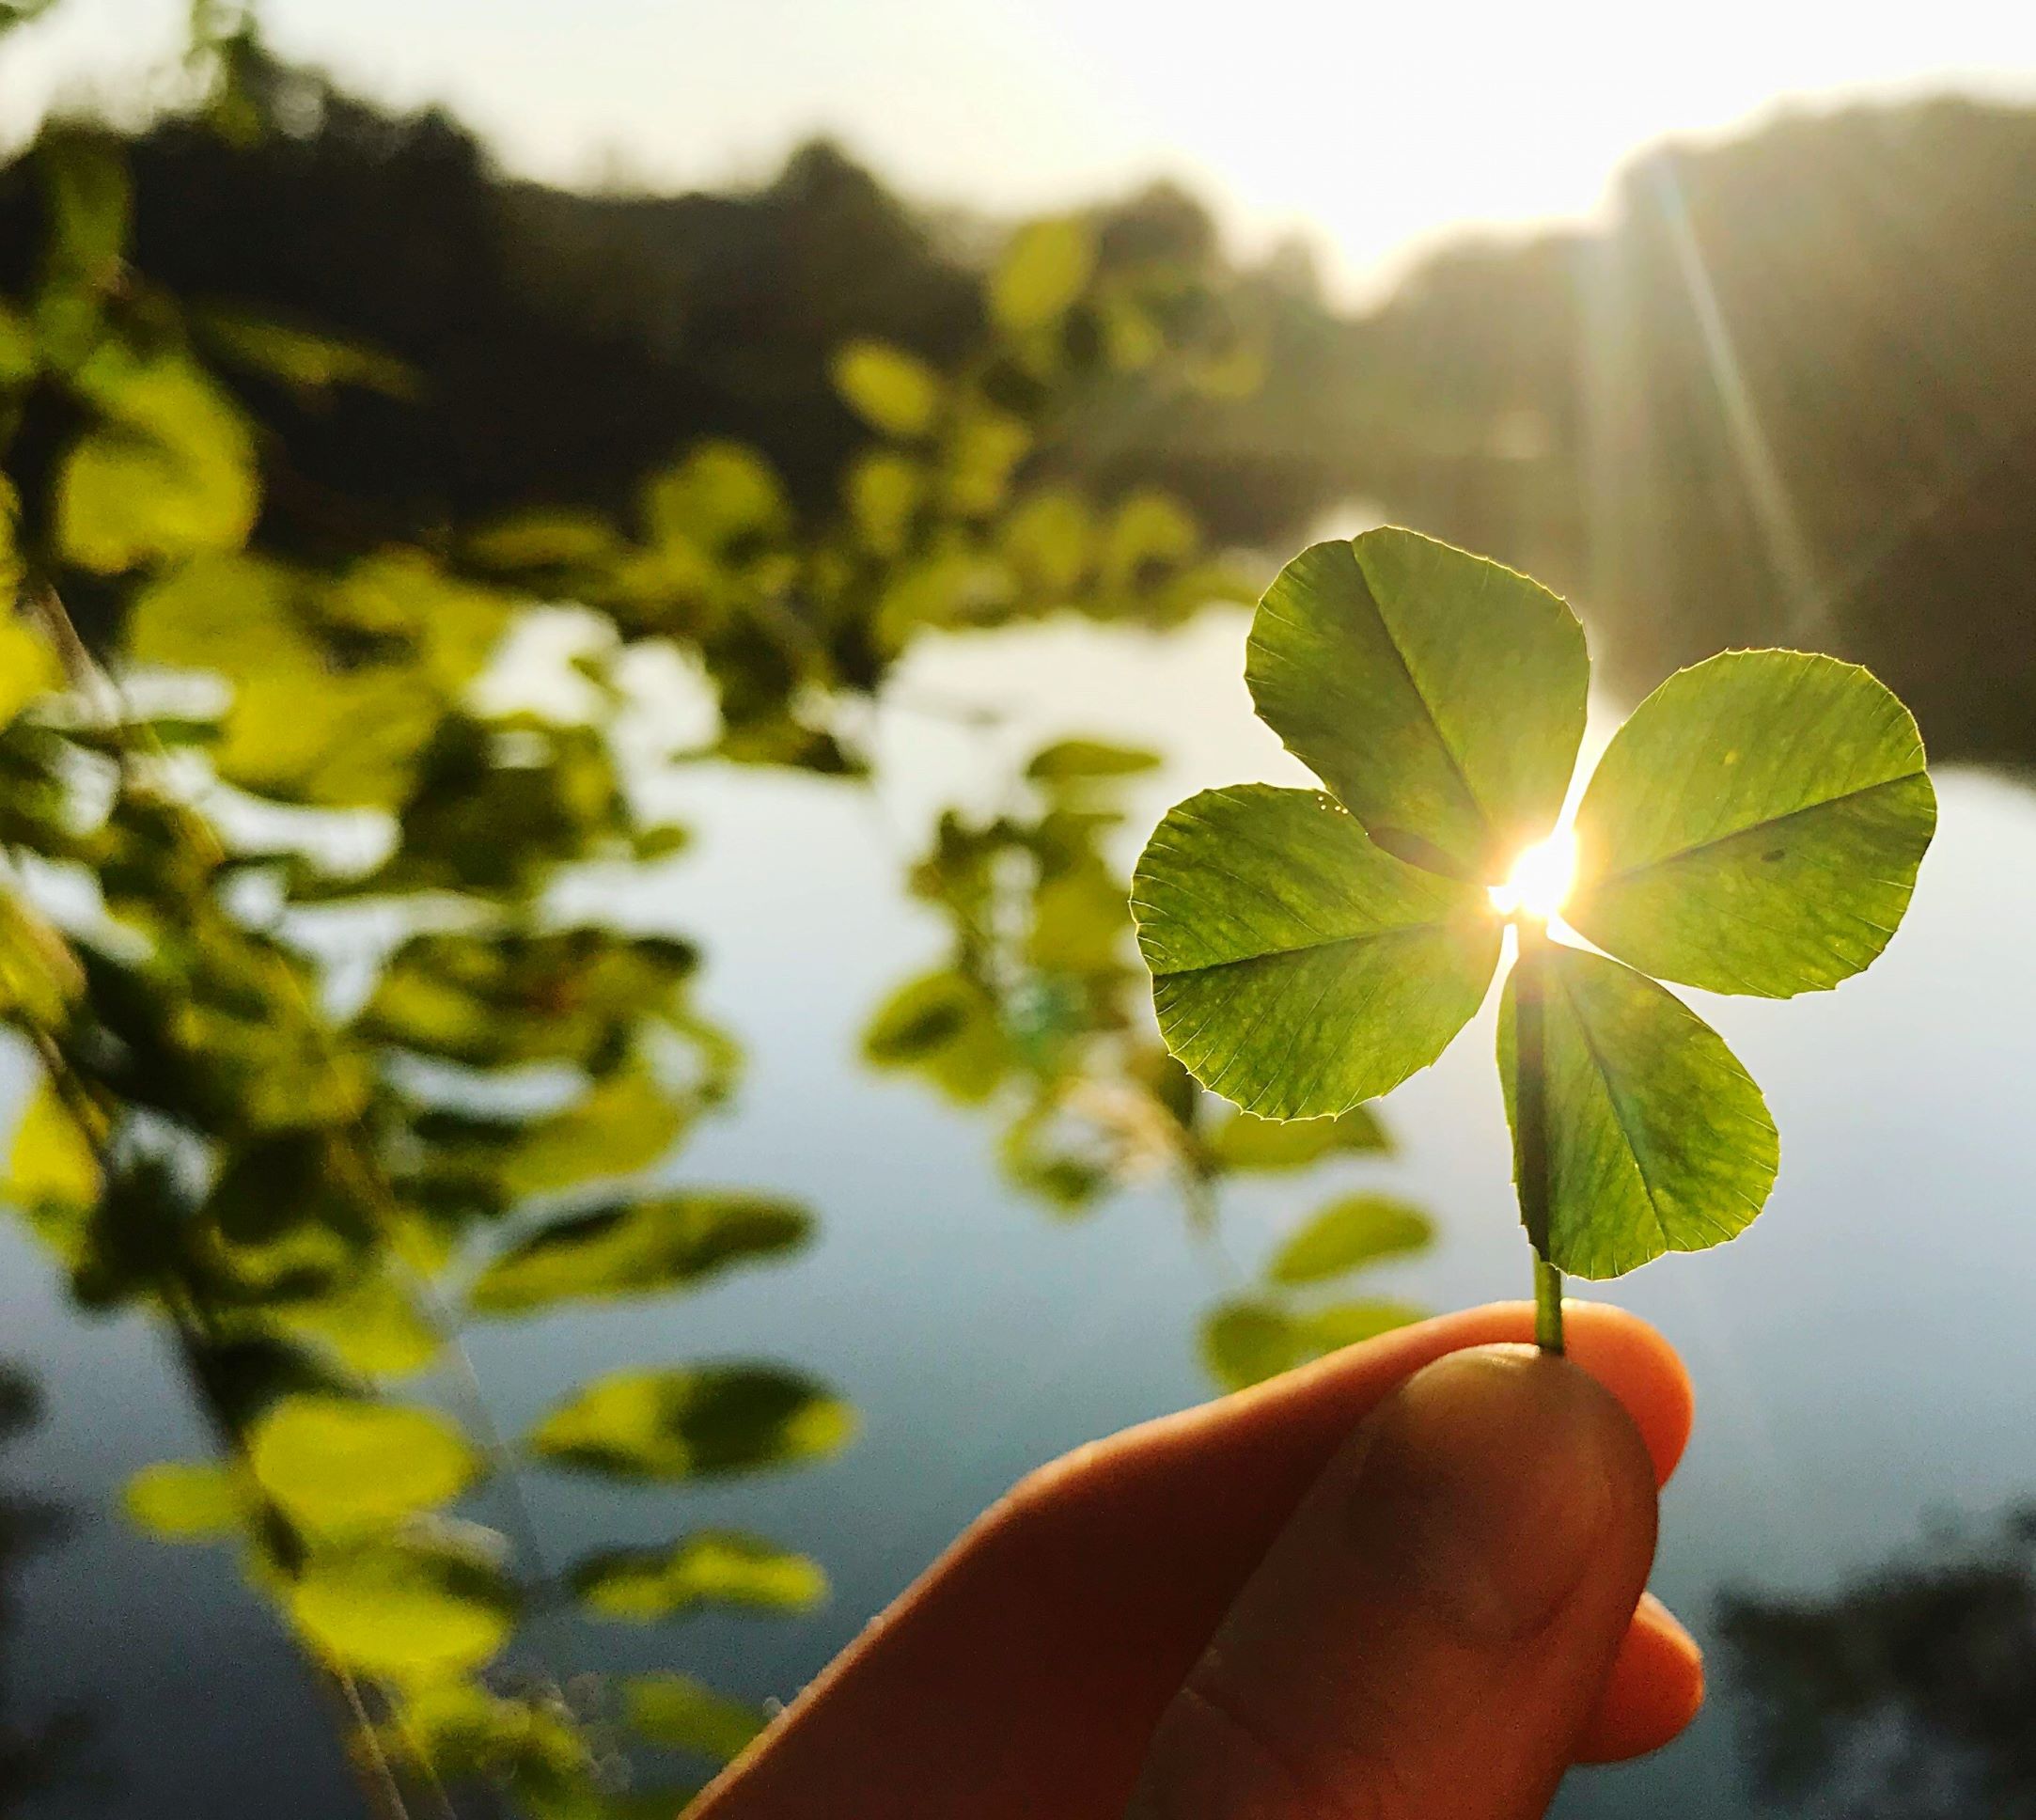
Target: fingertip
x,y
1655,1689
1641,1368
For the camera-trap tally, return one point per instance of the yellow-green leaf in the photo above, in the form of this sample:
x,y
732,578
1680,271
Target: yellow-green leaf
x,y
1297,970
336,1464
1756,826
694,1422
893,391
1438,695
1657,1138
716,1567
1360,1229
186,1500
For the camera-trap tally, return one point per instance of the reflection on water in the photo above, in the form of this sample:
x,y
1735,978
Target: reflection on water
x,y
1907,1694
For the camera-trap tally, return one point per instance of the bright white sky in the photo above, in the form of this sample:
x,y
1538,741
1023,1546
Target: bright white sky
x,y
1371,128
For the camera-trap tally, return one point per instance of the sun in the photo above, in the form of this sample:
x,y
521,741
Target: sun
x,y
1539,880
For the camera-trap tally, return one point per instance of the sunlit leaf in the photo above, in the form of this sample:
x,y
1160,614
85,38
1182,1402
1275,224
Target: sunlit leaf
x,y
169,472
1070,758
1244,1343
1756,826
29,667
639,1248
981,458
335,1464
1439,696
678,1713
1658,1140
715,1567
947,1026
402,1612
1360,1229
529,1744
52,1161
1045,269
1256,1145
891,391
885,490
186,1500
371,1325
1298,969
694,1422
302,357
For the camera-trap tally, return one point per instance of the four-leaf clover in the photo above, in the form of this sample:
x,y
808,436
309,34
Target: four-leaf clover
x,y
1754,827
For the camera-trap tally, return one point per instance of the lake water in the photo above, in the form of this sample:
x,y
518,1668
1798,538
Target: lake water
x,y
1861,1356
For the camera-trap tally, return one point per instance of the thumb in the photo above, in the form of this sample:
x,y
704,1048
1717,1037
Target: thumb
x,y
1430,1633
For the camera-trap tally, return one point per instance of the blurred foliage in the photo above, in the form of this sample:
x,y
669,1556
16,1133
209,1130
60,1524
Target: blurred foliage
x,y
324,1074
1905,1694
1041,1016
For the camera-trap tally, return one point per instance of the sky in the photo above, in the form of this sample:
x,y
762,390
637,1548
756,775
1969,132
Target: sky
x,y
1372,131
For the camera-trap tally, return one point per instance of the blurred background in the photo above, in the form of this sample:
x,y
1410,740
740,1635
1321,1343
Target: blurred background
x,y
604,597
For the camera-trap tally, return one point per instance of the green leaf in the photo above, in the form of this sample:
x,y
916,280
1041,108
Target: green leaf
x,y
945,1025
1045,269
1246,1143
1244,1343
1439,696
891,391
185,1501
1083,759
1658,1140
694,1422
1298,969
28,667
716,1567
52,1162
371,1325
679,1713
640,1248
625,1123
169,473
1756,826
1357,1230
402,1612
335,1464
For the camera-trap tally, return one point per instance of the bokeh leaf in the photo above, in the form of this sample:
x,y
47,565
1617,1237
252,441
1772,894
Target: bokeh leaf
x,y
335,1464
1439,696
715,1567
29,667
678,1713
1658,1140
1298,969
1756,826
186,1500
694,1422
1357,1230
402,1612
1045,269
639,1248
1252,1145
891,391
52,1162
1248,1340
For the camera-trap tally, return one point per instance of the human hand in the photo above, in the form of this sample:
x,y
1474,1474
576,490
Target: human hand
x,y
1405,1581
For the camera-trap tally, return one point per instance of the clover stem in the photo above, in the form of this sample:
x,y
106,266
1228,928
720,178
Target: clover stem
x,y
1530,1121
1547,1305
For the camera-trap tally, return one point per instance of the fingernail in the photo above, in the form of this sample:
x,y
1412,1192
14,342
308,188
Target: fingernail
x,y
1486,1489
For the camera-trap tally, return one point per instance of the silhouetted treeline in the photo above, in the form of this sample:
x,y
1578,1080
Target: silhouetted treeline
x,y
1785,396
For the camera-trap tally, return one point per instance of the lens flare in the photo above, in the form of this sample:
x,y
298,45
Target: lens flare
x,y
1539,880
